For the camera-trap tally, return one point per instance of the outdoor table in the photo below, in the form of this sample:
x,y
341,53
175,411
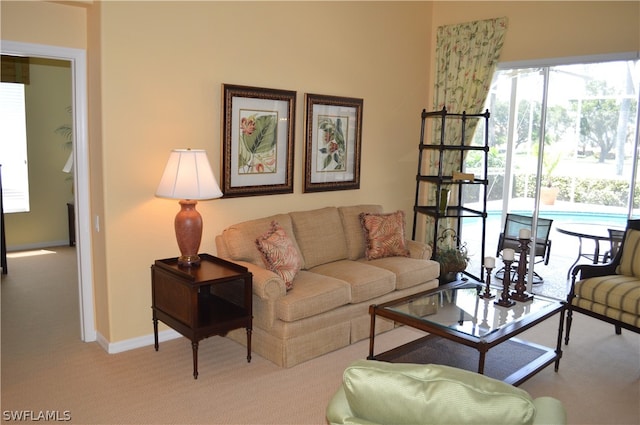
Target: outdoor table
x,y
594,232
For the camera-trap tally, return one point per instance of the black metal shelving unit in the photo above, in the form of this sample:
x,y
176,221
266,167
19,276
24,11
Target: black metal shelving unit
x,y
425,182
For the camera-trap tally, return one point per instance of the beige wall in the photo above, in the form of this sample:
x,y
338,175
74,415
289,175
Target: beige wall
x,y
43,22
162,65
162,90
47,98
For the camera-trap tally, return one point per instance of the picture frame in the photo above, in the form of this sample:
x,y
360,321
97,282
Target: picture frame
x,y
333,138
257,140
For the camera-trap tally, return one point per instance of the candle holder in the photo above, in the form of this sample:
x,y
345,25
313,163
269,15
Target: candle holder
x,y
504,300
520,294
485,315
487,290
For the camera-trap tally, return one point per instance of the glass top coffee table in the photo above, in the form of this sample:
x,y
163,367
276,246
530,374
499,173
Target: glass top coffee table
x,y
463,327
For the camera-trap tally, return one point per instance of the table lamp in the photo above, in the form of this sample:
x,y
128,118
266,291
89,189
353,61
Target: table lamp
x,y
188,177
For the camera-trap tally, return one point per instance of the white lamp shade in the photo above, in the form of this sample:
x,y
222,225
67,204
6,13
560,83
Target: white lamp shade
x,y
188,175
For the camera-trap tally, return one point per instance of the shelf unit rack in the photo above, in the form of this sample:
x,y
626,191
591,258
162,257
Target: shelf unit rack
x,y
425,182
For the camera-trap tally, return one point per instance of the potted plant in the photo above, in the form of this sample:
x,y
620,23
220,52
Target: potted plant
x,y
549,192
451,255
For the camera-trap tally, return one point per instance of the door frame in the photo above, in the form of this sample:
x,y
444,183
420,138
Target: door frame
x,y
78,60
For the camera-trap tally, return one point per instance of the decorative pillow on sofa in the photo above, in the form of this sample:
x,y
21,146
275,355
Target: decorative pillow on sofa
x,y
630,261
384,235
279,253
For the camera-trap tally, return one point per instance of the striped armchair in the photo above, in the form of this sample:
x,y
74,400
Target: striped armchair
x,y
610,291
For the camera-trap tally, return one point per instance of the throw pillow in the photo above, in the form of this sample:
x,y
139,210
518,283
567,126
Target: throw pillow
x,y
630,261
384,235
279,254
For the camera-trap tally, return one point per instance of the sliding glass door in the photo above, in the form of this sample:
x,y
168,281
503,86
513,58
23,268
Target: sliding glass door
x,y
563,146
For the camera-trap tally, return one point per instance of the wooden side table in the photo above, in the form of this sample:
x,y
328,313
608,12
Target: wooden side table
x,y
210,299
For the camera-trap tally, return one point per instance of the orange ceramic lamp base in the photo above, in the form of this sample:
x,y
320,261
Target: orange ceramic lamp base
x,y
188,224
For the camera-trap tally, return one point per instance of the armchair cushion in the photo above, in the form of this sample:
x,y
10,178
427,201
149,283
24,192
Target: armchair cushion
x,y
614,291
614,296
396,393
630,261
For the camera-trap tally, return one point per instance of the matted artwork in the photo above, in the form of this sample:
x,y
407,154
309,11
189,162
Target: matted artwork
x,y
257,145
333,133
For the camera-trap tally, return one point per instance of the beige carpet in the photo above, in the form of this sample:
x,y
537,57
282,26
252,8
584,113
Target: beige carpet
x,y
46,368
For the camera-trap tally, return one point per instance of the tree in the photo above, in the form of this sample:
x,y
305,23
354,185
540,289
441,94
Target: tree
x,y
624,120
599,118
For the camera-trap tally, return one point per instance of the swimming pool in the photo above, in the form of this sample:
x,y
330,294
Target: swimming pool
x,y
595,217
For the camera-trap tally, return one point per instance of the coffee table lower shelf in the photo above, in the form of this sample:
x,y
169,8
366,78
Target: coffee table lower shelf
x,y
513,361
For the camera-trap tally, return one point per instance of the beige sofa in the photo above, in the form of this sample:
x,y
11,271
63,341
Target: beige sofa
x,y
327,306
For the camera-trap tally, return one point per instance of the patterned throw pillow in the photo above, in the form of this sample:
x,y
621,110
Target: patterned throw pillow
x,y
384,235
279,253
630,261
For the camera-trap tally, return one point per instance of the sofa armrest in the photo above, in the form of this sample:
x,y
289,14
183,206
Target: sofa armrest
x,y
339,412
419,250
549,410
266,284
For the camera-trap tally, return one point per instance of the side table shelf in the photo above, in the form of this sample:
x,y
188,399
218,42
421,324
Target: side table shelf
x,y
198,302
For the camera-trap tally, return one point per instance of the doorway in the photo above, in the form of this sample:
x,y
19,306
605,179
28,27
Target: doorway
x,y
570,130
77,58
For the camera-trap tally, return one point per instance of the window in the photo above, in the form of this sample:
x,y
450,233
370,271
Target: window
x,y
567,129
13,148
585,117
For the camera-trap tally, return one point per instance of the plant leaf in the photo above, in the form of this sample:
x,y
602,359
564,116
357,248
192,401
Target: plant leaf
x,y
263,138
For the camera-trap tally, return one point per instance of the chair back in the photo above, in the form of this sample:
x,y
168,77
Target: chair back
x,y
633,224
515,222
615,238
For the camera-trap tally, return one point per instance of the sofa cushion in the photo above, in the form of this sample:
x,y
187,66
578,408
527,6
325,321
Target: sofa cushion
x,y
367,282
279,253
312,294
353,230
618,292
409,271
384,235
386,393
630,261
319,235
240,239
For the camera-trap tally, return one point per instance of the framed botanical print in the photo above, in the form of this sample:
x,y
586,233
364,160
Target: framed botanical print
x,y
257,141
333,134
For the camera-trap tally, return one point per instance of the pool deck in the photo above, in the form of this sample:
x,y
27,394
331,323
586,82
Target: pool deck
x,y
564,248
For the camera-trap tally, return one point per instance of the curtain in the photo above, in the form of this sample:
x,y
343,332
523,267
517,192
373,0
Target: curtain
x,y
466,57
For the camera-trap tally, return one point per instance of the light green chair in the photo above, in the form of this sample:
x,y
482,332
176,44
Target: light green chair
x,y
374,392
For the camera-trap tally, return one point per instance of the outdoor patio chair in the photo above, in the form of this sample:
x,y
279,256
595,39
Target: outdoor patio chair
x,y
509,238
615,237
610,291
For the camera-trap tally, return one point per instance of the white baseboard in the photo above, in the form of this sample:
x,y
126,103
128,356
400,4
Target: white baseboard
x,y
133,343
